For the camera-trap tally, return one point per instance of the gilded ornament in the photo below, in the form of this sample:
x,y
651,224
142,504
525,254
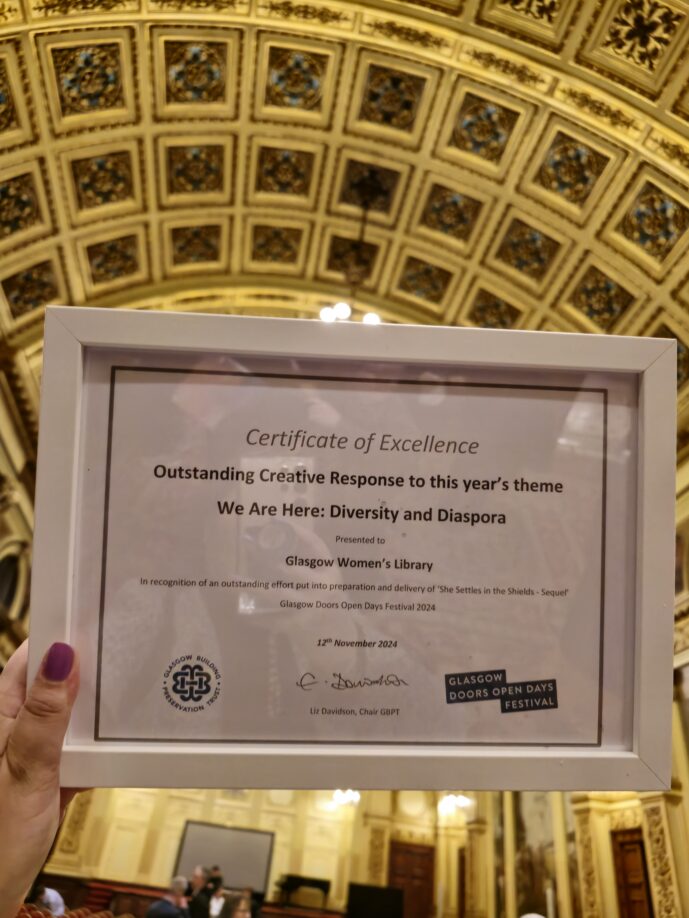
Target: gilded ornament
x,y
571,169
641,32
195,71
104,179
655,222
284,171
8,10
628,818
542,10
219,6
288,10
8,113
31,288
195,169
19,208
675,152
587,869
195,244
75,822
64,7
113,259
491,311
600,298
391,98
88,79
376,855
450,212
661,867
615,116
276,244
483,128
359,175
527,249
353,258
391,29
520,72
295,79
423,280
9,495
682,625
682,353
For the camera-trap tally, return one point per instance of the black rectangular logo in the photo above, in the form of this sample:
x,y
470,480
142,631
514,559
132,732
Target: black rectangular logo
x,y
529,696
477,686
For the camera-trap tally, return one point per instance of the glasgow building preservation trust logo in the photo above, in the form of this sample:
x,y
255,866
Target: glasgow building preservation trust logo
x,y
191,683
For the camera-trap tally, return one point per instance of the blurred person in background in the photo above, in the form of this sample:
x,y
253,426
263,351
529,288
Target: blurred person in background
x,y
173,904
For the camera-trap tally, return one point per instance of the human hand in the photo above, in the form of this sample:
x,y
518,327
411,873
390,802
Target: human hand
x,y
32,728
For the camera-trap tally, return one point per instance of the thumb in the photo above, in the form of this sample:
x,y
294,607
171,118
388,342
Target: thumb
x,y
35,743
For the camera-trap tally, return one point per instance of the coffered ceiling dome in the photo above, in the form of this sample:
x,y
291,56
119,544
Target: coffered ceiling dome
x,y
532,160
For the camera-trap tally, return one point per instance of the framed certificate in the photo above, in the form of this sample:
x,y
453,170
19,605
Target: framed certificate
x,y
293,554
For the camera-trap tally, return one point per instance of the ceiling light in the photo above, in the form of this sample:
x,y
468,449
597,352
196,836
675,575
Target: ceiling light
x,y
342,798
342,310
452,802
371,318
327,314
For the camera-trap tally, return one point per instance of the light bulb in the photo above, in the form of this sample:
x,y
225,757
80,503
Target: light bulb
x,y
371,318
342,310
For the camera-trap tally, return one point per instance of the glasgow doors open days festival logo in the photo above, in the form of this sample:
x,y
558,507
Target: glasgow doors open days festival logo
x,y
191,683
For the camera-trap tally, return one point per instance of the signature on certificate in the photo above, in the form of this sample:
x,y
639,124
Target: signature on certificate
x,y
340,683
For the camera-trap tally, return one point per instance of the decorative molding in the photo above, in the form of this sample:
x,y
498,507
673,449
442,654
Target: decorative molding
x,y
662,873
641,32
285,9
681,634
675,152
70,837
181,6
520,72
376,855
9,10
588,880
542,10
615,116
628,818
388,28
9,495
64,7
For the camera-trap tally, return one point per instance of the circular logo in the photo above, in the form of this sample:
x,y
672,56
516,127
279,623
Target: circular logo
x,y
191,683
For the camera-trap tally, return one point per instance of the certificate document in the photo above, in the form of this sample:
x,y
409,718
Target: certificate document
x,y
288,550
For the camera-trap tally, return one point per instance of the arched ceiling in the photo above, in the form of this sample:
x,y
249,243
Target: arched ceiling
x,y
205,154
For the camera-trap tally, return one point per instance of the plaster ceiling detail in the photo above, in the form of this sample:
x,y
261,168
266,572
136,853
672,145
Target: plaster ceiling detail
x,y
532,159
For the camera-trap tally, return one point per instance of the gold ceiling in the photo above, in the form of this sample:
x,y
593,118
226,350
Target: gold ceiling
x,y
533,158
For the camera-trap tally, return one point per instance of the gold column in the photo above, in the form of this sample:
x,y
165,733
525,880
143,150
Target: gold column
x,y
510,857
661,865
564,892
589,879
678,812
476,873
376,831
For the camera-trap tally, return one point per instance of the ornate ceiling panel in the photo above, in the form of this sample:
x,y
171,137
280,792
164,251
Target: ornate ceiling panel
x,y
532,159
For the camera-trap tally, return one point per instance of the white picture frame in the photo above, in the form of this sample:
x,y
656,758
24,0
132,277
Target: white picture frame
x,y
641,763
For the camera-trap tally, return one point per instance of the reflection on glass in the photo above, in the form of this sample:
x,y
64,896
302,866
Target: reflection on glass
x,y
572,864
499,826
535,861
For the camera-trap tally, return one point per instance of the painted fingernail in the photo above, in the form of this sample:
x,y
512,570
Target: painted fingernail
x,y
58,662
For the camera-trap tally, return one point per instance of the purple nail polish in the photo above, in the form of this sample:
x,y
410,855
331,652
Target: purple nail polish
x,y
57,664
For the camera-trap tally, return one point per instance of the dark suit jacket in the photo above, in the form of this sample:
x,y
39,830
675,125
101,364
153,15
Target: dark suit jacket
x,y
198,905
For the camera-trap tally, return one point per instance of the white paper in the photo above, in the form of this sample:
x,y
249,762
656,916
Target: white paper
x,y
474,605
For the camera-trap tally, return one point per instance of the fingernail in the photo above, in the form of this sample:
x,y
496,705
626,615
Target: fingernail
x,y
57,664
